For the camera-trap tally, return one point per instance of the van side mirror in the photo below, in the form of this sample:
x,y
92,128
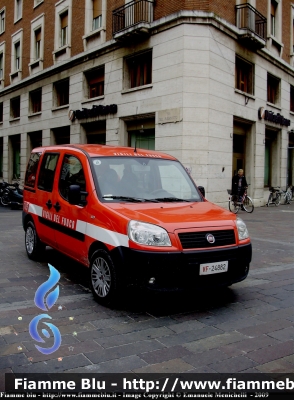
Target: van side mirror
x,y
202,190
74,194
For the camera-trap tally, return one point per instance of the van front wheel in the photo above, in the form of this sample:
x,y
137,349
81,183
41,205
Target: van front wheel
x,y
34,246
103,277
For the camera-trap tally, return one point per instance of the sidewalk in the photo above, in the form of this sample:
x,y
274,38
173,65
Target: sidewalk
x,y
245,328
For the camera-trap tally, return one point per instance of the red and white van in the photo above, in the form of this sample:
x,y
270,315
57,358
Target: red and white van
x,y
131,216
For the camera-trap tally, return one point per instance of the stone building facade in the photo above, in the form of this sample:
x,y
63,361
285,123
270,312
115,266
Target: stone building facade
x,y
208,81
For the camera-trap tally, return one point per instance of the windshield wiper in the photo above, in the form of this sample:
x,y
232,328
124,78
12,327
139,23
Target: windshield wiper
x,y
171,199
128,198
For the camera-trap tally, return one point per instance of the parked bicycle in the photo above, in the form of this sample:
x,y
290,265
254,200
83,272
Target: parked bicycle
x,y
244,203
277,194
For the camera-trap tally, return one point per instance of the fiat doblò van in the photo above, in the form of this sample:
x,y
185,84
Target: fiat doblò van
x,y
131,216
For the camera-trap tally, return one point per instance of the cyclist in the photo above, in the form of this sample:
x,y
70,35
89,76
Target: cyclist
x,y
239,184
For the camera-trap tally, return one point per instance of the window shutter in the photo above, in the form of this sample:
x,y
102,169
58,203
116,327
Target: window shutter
x,y
97,8
64,20
38,35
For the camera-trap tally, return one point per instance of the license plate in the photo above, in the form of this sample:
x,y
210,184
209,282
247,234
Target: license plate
x,y
213,268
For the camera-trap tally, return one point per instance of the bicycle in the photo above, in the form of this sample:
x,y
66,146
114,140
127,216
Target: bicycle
x,y
274,196
277,194
235,203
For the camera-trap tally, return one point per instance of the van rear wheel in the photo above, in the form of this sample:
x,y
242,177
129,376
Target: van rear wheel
x,y
103,277
34,246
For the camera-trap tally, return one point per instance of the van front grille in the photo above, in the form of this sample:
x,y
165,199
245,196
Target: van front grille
x,y
196,240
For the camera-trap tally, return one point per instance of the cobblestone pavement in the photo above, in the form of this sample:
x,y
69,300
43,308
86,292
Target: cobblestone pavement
x,y
245,328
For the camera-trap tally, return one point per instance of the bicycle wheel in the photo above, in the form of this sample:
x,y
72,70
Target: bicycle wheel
x,y
233,204
277,200
248,204
269,200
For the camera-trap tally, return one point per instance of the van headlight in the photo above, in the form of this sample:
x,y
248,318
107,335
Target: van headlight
x,y
148,234
242,229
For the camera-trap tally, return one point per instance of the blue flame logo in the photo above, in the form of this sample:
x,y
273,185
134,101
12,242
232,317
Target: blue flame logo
x,y
45,303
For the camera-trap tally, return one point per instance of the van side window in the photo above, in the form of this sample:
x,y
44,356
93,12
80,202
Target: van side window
x,y
30,178
47,172
72,173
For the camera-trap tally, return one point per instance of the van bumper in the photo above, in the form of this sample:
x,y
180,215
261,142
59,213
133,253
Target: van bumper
x,y
180,270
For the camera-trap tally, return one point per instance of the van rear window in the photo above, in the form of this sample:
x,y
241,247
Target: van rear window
x,y
30,178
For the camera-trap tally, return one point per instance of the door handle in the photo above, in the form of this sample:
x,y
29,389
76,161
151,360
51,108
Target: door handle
x,y
57,206
49,204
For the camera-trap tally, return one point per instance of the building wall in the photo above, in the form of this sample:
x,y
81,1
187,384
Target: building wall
x,y
193,83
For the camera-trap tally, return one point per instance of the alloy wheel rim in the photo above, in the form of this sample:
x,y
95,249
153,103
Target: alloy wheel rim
x,y
101,277
30,240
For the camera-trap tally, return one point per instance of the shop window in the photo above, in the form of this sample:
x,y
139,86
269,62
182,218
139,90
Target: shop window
x,y
61,93
244,76
98,138
97,14
61,135
95,80
64,29
1,112
2,21
291,98
273,89
1,156
35,139
15,107
143,139
139,69
18,10
36,101
15,146
47,172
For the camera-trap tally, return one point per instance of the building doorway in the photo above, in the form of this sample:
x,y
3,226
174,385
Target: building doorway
x,y
241,146
271,158
14,157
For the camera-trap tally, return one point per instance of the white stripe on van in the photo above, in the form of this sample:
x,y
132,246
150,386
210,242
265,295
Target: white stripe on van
x,y
103,235
34,209
96,232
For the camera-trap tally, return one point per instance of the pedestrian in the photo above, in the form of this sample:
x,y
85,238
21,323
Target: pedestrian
x,y
239,184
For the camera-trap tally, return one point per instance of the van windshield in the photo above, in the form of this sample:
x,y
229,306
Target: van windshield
x,y
137,179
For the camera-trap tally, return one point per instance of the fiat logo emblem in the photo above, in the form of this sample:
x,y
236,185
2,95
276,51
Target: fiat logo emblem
x,y
210,238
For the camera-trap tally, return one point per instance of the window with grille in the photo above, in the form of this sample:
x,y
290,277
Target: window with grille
x,y
36,101
97,14
15,107
64,29
139,69
95,80
61,92
273,89
244,76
